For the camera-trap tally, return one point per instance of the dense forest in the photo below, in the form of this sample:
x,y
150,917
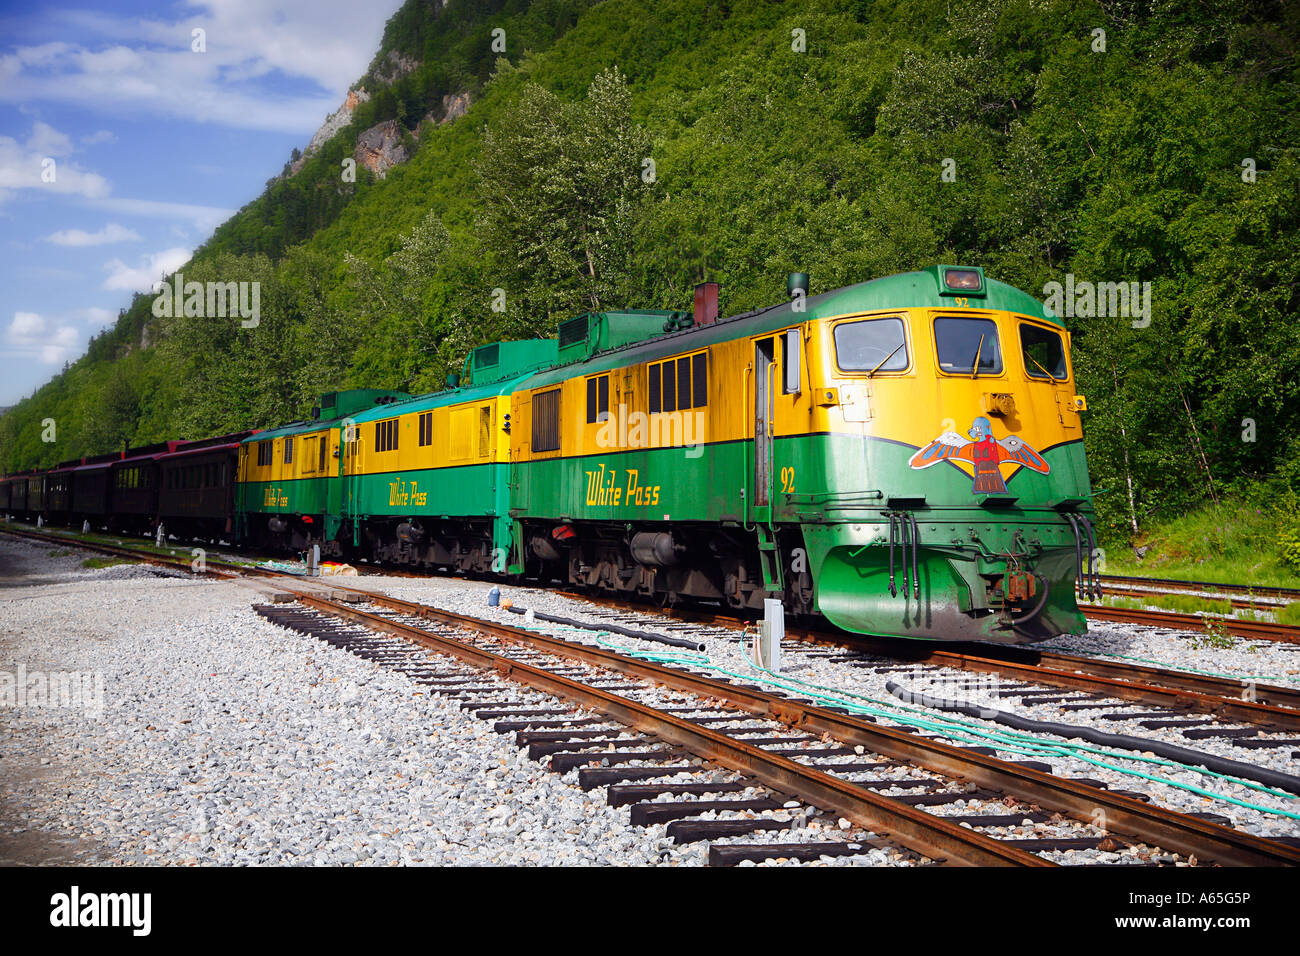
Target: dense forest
x,y
618,152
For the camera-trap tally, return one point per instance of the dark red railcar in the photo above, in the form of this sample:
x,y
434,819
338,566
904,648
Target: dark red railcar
x,y
35,494
18,495
58,492
133,487
90,482
196,490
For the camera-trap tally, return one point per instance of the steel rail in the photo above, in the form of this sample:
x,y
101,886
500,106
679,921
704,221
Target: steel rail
x,y
1258,630
1265,704
1176,584
1237,601
1181,691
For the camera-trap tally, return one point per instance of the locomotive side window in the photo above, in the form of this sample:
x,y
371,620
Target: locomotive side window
x,y
597,399
964,342
871,345
288,451
679,384
386,435
426,430
263,453
1043,352
546,421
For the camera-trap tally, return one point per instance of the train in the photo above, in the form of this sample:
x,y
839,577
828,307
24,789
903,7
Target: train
x,y
901,457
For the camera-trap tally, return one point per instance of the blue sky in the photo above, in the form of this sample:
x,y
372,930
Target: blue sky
x,y
152,145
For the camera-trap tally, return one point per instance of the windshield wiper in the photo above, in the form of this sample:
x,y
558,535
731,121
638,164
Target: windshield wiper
x,y
1040,367
884,360
975,366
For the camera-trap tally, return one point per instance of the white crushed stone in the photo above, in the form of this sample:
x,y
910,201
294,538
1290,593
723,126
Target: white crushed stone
x,y
227,740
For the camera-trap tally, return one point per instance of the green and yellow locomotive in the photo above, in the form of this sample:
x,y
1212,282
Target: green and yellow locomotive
x,y
903,456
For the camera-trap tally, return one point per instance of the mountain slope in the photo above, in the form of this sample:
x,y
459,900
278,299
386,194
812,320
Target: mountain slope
x,y
810,136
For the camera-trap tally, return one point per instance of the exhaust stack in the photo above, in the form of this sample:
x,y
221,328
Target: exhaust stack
x,y
706,303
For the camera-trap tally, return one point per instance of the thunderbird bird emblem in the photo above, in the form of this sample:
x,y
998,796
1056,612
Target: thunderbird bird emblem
x,y
986,453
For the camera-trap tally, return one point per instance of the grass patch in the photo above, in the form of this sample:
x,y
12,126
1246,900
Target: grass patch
x,y
1289,614
56,553
105,562
1190,604
1232,543
1216,636
1183,603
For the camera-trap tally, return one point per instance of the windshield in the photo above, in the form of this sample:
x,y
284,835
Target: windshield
x,y
959,341
872,345
1043,351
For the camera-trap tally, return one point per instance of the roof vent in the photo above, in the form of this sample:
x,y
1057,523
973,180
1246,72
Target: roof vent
x,y
573,331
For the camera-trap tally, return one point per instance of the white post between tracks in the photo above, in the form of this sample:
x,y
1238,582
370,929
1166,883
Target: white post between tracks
x,y
770,632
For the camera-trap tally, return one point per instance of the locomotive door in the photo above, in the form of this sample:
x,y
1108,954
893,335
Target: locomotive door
x,y
351,479
332,471
764,369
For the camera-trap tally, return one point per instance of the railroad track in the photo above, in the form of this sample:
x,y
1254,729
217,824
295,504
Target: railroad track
x,y
810,754
1250,701
946,773
1173,585
1237,627
1267,605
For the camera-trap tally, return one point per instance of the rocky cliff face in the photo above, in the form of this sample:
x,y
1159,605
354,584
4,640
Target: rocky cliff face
x,y
380,148
333,123
393,67
453,105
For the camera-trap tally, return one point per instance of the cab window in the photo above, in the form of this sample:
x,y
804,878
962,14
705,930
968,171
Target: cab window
x,y
1043,351
962,342
871,345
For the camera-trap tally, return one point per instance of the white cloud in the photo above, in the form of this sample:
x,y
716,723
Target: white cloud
x,y
147,66
151,269
33,336
111,232
205,218
94,315
38,164
47,140
99,136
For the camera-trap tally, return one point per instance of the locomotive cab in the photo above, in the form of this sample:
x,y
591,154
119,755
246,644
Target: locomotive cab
x,y
950,498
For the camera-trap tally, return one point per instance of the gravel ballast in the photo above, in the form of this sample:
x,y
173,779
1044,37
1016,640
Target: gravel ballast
x,y
224,739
